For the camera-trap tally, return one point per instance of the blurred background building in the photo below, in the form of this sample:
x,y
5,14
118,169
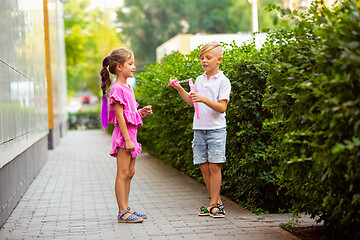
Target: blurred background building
x,y
32,92
305,4
185,43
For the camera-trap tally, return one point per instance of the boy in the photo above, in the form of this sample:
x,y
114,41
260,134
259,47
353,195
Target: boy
x,y
212,92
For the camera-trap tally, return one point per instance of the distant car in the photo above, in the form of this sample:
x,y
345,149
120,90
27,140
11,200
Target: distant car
x,y
74,106
85,99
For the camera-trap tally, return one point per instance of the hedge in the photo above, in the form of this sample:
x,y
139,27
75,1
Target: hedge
x,y
313,93
84,119
293,117
167,134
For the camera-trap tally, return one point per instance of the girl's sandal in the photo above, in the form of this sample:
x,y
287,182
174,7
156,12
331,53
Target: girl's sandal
x,y
217,213
130,219
204,211
142,215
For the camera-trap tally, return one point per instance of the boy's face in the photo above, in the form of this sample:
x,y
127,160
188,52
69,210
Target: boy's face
x,y
210,61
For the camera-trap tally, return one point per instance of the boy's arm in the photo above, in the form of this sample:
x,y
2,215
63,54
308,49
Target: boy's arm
x,y
185,95
224,94
217,106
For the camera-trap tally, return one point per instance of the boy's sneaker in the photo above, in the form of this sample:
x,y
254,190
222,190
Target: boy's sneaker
x,y
204,211
217,213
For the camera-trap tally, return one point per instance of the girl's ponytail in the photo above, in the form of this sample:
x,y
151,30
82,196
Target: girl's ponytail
x,y
105,84
117,56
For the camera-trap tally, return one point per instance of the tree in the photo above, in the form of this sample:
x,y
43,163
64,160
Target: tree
x,y
240,14
146,24
90,39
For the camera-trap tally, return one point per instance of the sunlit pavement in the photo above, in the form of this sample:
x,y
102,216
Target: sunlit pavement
x,y
73,198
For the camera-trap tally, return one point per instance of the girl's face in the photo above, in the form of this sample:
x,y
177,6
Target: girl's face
x,y
210,61
128,69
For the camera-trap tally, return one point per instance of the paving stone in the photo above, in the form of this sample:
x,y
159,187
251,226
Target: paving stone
x,y
73,198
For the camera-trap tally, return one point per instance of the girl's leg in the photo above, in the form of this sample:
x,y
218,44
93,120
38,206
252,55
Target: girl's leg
x,y
128,182
122,178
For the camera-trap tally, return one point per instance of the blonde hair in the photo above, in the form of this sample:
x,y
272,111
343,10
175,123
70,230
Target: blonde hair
x,y
120,55
210,46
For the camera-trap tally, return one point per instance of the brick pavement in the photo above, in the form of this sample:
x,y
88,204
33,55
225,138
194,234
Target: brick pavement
x,y
73,198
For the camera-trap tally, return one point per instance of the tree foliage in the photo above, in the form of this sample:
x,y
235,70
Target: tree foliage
x,y
240,15
90,38
146,24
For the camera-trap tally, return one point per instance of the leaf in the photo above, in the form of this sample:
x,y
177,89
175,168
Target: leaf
x,y
338,148
354,44
355,199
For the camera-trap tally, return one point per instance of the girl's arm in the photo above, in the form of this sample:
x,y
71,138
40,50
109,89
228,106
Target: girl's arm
x,y
185,95
217,106
119,110
145,111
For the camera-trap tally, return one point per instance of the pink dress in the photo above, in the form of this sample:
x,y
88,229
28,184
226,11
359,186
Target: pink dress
x,y
125,96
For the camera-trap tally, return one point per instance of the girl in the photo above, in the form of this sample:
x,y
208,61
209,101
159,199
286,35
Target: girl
x,y
126,118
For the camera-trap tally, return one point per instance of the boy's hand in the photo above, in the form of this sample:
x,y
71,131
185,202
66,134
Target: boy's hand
x,y
173,82
185,95
195,97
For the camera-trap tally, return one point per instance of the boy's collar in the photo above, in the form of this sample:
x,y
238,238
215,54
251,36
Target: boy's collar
x,y
216,75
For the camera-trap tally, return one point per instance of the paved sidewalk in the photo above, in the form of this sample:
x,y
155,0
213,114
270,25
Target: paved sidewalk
x,y
73,198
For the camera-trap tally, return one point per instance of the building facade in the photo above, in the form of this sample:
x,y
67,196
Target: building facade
x,y
185,43
27,69
305,4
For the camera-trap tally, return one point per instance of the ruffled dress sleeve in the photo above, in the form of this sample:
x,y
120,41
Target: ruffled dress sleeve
x,y
133,118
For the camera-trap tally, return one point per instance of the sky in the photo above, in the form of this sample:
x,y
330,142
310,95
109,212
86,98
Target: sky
x,y
106,4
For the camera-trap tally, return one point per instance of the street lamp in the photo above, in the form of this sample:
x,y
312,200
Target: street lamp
x,y
254,15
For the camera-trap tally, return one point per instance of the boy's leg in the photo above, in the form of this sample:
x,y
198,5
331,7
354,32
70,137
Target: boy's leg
x,y
215,182
216,156
204,167
200,156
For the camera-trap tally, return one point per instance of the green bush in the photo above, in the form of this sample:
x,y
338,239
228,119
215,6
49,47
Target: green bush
x,y
247,174
293,117
167,134
313,94
85,119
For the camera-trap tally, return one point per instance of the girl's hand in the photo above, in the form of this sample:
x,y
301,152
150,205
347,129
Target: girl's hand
x,y
195,97
145,111
129,146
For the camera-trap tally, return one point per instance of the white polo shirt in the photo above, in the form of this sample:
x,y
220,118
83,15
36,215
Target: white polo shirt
x,y
216,88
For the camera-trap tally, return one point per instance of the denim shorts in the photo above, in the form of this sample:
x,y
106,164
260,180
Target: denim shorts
x,y
209,146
